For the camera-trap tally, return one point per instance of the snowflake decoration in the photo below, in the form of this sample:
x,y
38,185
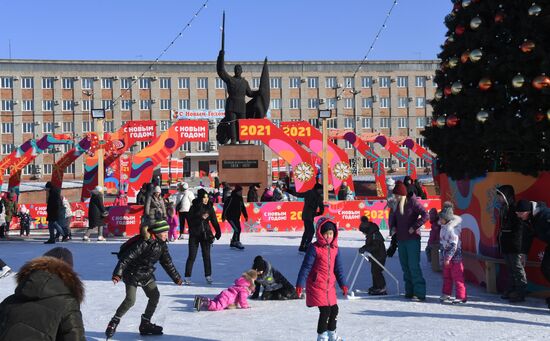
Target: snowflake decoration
x,y
342,170
303,172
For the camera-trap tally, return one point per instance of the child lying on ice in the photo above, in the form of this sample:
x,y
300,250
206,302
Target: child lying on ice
x,y
234,295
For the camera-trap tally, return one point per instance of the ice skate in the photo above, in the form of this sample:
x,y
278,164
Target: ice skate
x,y
445,298
209,280
378,292
323,337
85,239
236,245
201,303
332,336
111,327
459,301
148,328
187,281
101,239
5,272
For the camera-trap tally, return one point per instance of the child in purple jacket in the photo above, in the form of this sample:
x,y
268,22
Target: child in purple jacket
x,y
234,295
432,249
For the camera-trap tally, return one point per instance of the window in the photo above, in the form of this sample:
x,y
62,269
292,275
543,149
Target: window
x,y
47,83
366,122
183,104
330,82
126,83
70,169
87,83
367,163
420,102
202,83
68,105
28,170
28,127
202,146
366,102
402,102
106,83
107,104
220,84
421,122
6,82
313,103
276,103
420,81
68,127
347,145
220,104
143,145
109,126
274,82
27,83
421,141
255,82
202,104
384,102
384,122
186,147
384,82
420,162
402,122
314,122
48,168
165,104
183,83
387,162
366,82
7,128
7,148
68,83
126,104
47,105
28,105
88,126
145,104
7,105
331,103
349,123
294,103
145,83
348,103
332,124
294,82
47,127
164,125
165,83
313,82
402,81
349,82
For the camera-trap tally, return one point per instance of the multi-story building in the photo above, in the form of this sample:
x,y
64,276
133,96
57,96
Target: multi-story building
x,y
38,97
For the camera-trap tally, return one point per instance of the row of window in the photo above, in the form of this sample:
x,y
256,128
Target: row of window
x,y
87,83
349,103
388,162
49,127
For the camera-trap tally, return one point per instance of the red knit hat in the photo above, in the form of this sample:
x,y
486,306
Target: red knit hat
x,y
400,188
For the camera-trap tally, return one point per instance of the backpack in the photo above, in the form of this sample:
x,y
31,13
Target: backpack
x,y
127,246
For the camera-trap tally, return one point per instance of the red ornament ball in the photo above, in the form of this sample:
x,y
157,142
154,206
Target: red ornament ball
x,y
527,46
452,121
499,17
447,91
459,29
465,57
541,82
485,84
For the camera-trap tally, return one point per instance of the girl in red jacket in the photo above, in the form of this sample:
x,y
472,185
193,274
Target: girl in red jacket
x,y
321,268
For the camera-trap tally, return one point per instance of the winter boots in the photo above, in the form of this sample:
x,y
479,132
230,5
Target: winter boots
x,y
201,303
209,280
377,291
111,327
148,328
323,337
236,244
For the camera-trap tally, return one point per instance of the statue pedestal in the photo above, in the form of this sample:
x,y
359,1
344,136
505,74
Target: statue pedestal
x,y
242,164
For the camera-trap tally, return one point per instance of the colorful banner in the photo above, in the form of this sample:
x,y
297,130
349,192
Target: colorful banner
x,y
39,214
161,148
282,145
118,174
115,144
394,150
338,160
124,220
198,115
66,160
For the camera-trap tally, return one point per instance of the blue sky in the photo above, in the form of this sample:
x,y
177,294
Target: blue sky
x,y
278,29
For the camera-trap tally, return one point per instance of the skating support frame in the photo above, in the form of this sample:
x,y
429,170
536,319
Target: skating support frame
x,y
366,256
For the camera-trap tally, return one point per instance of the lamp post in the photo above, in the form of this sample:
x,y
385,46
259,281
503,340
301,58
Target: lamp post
x,y
324,115
355,92
99,115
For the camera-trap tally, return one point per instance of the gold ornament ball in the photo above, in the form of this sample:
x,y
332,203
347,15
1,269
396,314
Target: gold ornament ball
x,y
476,55
441,120
466,3
548,114
453,62
456,88
482,116
475,23
534,10
518,81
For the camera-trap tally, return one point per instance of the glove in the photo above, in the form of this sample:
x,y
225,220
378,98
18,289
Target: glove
x,y
179,282
116,279
299,291
218,235
345,290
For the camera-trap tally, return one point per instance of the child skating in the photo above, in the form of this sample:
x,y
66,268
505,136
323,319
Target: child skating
x,y
235,295
374,244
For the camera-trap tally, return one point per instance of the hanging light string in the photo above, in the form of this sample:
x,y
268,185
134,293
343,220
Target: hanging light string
x,y
384,25
150,67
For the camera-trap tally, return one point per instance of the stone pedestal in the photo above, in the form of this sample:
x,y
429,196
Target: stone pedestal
x,y
243,164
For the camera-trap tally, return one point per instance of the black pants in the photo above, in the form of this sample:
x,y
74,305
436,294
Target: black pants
x,y
3,231
152,293
236,225
194,243
283,293
328,315
184,217
307,236
378,280
25,229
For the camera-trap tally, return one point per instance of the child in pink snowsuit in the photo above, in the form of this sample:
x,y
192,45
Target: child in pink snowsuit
x,y
234,295
453,268
173,221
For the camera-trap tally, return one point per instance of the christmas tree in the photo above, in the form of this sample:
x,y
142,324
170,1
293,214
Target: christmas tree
x,y
492,103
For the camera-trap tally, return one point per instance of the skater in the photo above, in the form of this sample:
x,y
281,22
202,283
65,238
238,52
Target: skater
x,y
374,244
183,201
321,268
65,217
233,207
46,302
313,206
135,268
232,297
201,216
24,221
10,210
405,222
53,210
453,269
173,222
96,215
267,195
432,249
121,199
5,270
155,209
252,195
276,286
141,197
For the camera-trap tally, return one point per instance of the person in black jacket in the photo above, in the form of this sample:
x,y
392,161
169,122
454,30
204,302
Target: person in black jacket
x,y
96,215
135,268
276,286
46,303
53,210
374,244
141,197
201,215
252,195
313,206
232,209
510,242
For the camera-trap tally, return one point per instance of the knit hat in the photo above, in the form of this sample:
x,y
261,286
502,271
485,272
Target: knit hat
x,y
447,211
157,189
159,226
390,183
325,224
524,206
400,189
61,253
201,193
185,185
259,264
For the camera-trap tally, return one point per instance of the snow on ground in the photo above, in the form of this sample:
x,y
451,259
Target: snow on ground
x,y
485,317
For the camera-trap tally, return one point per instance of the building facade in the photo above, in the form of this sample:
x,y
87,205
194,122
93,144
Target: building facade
x,y
40,97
